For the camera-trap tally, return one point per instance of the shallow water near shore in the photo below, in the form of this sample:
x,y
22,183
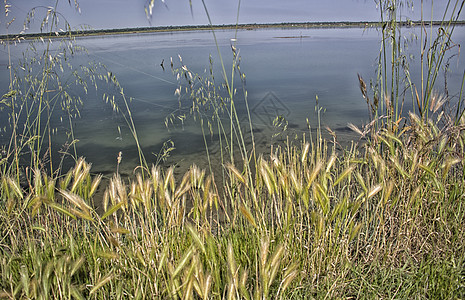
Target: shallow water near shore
x,y
288,73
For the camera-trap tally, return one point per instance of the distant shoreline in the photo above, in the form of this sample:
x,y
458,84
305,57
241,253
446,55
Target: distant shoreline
x,y
83,33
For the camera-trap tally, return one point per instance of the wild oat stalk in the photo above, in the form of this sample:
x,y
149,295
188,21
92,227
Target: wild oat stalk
x,y
393,84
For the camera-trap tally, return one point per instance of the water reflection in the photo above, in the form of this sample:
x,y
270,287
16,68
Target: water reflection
x,y
286,72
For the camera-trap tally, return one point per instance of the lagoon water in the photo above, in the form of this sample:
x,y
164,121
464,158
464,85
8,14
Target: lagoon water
x,y
286,71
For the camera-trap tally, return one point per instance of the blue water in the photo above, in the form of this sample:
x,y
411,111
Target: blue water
x,y
286,70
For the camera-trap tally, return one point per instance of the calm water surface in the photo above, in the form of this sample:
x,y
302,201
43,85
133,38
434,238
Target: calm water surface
x,y
285,69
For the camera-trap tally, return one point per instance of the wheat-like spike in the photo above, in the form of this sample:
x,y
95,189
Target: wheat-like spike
x,y
314,174
66,180
80,177
95,184
374,190
181,190
38,184
331,162
231,294
344,174
196,238
305,152
207,286
76,200
264,245
354,232
102,282
188,288
169,179
183,262
288,278
236,172
295,182
106,198
356,129
134,195
274,264
120,189
271,175
79,165
163,259
15,187
155,176
232,262
244,292
388,191
447,165
437,101
246,213
146,192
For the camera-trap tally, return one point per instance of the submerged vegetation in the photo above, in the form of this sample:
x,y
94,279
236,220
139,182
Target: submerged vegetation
x,y
383,218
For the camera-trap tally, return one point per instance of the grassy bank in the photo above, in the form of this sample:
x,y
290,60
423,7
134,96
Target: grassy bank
x,y
383,220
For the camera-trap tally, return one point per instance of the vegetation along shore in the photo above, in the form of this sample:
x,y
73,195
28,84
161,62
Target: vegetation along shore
x,y
316,25
383,218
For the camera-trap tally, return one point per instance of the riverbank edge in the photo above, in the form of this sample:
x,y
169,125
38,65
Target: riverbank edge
x,y
254,26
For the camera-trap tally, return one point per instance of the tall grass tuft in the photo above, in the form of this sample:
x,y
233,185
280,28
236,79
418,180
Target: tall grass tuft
x,y
326,224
